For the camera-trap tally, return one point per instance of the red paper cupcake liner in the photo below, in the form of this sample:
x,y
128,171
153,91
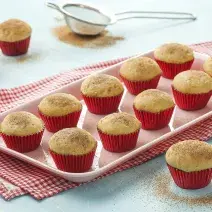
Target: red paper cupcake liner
x,y
191,101
102,105
73,163
56,123
136,87
15,48
170,70
191,180
119,143
154,121
23,143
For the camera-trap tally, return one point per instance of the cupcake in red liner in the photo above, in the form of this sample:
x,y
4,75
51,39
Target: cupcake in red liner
x,y
192,89
170,70
59,111
191,180
139,74
190,164
154,121
118,132
73,163
102,93
135,87
191,101
174,58
15,48
73,150
102,105
23,143
14,37
153,108
119,143
53,124
207,66
22,131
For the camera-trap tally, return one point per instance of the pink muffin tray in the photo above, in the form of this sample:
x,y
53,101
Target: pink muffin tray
x,y
104,160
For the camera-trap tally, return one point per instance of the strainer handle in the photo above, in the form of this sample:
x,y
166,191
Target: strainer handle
x,y
137,14
53,5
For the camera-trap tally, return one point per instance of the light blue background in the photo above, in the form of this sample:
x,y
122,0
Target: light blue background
x,y
128,190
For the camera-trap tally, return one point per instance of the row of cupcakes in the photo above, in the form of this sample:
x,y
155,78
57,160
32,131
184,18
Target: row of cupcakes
x,y
153,108
72,149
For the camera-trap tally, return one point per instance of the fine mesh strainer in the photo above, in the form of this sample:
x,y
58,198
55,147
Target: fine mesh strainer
x,y
87,20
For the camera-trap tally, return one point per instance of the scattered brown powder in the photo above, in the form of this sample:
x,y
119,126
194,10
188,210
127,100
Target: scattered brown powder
x,y
162,189
105,39
27,58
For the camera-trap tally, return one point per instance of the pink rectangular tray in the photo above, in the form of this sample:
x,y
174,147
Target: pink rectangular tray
x,y
104,161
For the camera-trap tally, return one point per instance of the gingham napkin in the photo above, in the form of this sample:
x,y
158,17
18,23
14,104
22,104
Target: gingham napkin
x,y
18,178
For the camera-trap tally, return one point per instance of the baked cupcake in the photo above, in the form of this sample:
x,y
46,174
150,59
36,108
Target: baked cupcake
x,y
192,89
154,109
207,66
119,132
174,58
139,74
60,110
22,131
14,37
72,149
190,163
102,93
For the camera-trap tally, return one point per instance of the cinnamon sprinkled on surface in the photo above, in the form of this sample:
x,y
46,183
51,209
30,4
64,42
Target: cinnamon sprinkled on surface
x,y
28,57
163,190
105,39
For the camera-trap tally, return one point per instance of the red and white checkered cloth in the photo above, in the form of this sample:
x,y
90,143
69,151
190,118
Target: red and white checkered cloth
x,y
18,178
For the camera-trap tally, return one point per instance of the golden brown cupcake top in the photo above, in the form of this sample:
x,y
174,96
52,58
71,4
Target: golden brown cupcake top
x,y
72,141
59,104
153,100
207,66
140,69
14,30
193,82
101,85
21,124
174,53
190,155
118,124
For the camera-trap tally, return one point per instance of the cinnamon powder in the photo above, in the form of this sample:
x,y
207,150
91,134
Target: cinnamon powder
x,y
27,57
105,39
163,190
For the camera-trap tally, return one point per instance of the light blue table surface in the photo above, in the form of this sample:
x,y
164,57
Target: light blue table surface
x,y
128,190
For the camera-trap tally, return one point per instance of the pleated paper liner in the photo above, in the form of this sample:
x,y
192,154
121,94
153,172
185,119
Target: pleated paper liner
x,y
154,121
119,143
56,123
136,87
191,101
191,180
170,70
23,143
73,163
15,48
102,105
